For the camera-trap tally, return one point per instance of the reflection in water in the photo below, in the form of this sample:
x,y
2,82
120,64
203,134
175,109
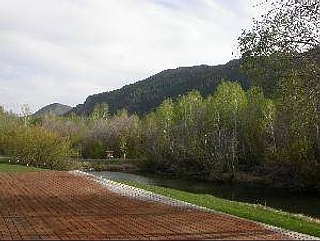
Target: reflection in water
x,y
279,199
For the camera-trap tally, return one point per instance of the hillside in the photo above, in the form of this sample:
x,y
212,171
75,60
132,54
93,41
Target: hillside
x,y
145,95
53,109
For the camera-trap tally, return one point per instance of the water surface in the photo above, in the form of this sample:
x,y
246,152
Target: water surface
x,y
306,204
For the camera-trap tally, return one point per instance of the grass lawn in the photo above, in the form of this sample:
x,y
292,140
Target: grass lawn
x,y
260,213
7,167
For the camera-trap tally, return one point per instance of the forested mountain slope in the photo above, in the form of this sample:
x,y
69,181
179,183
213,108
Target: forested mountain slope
x,y
53,109
145,95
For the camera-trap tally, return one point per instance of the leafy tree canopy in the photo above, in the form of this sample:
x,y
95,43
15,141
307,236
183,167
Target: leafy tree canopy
x,y
286,38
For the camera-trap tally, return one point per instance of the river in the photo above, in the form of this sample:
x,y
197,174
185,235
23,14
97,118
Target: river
x,y
306,204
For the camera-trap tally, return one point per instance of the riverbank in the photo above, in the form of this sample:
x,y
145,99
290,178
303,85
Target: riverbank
x,y
259,213
272,175
114,164
281,199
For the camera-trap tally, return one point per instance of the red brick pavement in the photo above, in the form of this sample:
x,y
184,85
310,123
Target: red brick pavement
x,y
59,205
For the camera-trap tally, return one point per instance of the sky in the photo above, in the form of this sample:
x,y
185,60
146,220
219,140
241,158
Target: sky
x,y
62,51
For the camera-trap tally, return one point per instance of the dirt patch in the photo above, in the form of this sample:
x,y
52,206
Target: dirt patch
x,y
59,205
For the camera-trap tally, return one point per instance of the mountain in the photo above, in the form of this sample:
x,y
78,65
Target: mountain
x,y
145,95
53,109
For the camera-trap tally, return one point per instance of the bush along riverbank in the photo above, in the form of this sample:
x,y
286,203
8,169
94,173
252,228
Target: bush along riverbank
x,y
255,212
270,175
114,164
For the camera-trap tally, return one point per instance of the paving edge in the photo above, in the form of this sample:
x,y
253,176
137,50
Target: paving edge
x,y
141,194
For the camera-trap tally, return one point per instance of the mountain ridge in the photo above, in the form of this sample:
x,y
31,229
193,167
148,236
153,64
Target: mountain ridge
x,y
145,95
53,109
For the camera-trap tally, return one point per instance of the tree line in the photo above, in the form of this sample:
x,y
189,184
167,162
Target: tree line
x,y
268,133
214,138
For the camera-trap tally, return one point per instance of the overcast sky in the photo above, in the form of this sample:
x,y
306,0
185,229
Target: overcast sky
x,y
65,50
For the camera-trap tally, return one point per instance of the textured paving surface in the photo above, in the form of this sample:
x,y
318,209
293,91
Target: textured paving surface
x,y
59,205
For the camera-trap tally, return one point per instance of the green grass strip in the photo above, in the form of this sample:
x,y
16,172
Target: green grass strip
x,y
6,167
256,212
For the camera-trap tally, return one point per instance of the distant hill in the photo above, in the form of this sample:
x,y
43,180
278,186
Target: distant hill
x,y
53,109
145,95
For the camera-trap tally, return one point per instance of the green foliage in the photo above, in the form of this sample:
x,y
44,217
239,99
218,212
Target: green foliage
x,y
188,115
8,122
286,38
165,117
281,54
94,149
258,127
34,145
40,147
231,102
101,110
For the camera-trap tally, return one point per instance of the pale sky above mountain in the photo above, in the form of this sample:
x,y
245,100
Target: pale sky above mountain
x,y
65,50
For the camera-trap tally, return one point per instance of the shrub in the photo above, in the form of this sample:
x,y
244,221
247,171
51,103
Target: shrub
x,y
39,147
